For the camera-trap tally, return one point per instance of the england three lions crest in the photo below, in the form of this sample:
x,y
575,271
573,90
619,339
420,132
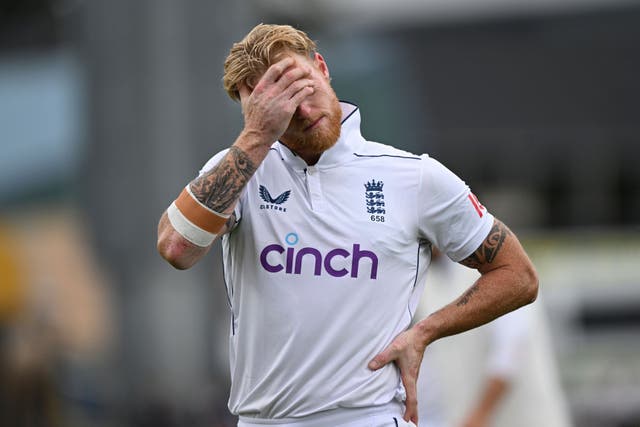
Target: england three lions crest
x,y
374,200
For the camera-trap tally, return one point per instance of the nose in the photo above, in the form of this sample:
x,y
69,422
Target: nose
x,y
303,111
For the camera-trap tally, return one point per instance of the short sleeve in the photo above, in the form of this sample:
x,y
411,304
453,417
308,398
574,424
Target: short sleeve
x,y
449,215
211,163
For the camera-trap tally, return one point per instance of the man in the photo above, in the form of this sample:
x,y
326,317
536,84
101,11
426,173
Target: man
x,y
326,241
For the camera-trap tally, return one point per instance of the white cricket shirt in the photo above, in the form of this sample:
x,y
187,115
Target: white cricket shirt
x,y
326,265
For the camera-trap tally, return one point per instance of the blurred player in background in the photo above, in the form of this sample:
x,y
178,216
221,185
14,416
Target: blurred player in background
x,y
326,241
499,375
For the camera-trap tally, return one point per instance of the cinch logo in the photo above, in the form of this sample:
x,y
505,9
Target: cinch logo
x,y
275,258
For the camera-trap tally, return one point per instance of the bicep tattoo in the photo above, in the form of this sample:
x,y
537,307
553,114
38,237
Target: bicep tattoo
x,y
489,249
221,187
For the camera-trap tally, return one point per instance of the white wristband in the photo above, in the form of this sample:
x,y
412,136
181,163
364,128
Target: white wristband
x,y
187,229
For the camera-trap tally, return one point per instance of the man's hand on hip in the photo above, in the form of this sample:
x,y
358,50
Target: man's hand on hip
x,y
406,350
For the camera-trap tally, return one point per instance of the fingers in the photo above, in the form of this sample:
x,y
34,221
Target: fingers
x,y
292,85
380,360
294,90
281,75
302,94
274,72
269,105
292,75
411,402
407,357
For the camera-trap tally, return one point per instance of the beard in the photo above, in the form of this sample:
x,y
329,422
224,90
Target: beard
x,y
318,140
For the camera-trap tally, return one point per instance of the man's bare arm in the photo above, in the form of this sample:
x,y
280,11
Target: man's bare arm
x,y
267,110
219,190
494,391
508,281
177,250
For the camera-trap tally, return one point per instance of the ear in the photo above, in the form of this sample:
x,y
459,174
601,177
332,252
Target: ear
x,y
243,90
321,64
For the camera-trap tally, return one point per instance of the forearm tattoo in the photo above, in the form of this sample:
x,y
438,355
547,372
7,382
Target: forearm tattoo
x,y
464,299
489,249
219,188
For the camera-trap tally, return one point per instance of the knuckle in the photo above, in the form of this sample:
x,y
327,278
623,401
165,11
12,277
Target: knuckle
x,y
292,75
294,87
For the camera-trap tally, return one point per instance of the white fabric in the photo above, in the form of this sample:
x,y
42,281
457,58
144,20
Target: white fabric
x,y
508,343
187,229
389,415
319,285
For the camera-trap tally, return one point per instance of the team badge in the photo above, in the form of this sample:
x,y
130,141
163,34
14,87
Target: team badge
x,y
273,203
374,199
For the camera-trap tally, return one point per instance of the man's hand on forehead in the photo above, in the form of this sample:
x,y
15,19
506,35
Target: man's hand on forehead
x,y
278,69
269,106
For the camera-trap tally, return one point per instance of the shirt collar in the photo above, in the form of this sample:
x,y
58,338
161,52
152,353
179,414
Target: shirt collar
x,y
349,142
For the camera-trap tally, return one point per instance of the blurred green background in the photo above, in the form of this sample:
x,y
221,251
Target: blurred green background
x,y
108,108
